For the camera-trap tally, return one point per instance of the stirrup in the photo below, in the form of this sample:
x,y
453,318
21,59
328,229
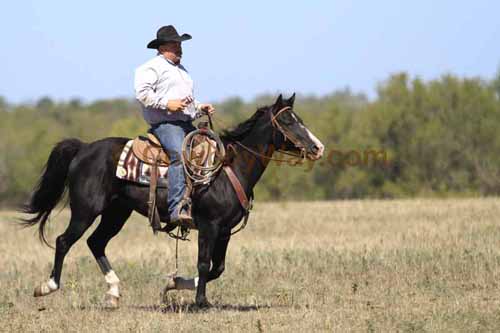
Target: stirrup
x,y
168,228
186,222
184,233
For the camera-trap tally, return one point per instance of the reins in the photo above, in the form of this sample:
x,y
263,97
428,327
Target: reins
x,y
276,125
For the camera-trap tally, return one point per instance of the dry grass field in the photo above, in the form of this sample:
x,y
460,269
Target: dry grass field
x,y
376,266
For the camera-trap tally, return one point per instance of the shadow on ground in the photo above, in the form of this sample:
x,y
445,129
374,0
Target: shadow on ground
x,y
193,308
176,308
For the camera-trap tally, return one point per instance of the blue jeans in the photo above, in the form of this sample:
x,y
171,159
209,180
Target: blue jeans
x,y
171,135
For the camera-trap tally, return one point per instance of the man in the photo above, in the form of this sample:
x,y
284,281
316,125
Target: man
x,y
165,90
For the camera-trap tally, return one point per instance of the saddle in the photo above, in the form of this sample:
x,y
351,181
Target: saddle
x,y
144,161
150,151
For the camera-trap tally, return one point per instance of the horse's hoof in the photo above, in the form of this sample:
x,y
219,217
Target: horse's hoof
x,y
38,292
203,304
42,290
111,301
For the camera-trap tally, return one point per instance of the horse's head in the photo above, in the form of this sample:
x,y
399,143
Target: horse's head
x,y
295,136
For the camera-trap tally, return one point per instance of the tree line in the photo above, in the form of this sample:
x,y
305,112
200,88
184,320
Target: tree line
x,y
415,138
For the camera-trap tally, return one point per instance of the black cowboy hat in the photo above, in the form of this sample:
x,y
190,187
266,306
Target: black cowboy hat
x,y
167,34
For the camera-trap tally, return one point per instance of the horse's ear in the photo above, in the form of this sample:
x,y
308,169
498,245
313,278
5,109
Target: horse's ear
x,y
291,100
279,101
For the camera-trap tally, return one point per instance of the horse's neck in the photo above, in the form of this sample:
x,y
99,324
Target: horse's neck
x,y
249,167
250,163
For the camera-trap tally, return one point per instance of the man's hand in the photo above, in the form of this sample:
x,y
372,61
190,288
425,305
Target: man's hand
x,y
207,108
177,105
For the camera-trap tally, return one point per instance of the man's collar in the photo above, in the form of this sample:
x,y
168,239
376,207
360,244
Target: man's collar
x,y
168,60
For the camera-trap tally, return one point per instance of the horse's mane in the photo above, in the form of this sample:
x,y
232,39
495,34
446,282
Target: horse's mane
x,y
241,131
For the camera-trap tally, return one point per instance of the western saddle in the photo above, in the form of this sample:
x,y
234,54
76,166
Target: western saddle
x,y
150,151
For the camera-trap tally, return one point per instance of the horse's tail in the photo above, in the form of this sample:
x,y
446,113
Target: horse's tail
x,y
51,185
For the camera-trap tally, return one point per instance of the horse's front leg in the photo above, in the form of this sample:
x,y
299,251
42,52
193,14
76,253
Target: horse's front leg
x,y
218,264
219,257
206,242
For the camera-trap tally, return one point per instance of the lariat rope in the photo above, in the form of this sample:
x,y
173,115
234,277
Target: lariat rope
x,y
198,174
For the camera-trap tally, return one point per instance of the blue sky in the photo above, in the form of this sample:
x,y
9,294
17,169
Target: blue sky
x,y
89,49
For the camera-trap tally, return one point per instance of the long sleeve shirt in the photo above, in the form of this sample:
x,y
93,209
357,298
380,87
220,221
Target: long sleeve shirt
x,y
158,81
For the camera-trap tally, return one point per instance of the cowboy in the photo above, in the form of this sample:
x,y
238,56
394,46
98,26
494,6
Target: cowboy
x,y
165,90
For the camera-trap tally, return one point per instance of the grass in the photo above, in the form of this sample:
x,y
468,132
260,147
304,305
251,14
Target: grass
x,y
367,266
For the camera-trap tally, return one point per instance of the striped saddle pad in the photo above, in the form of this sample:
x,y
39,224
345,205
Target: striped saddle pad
x,y
133,169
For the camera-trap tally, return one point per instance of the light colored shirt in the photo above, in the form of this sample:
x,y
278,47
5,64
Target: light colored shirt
x,y
158,81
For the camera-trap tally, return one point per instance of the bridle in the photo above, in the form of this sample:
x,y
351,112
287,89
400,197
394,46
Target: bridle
x,y
278,128
287,134
203,174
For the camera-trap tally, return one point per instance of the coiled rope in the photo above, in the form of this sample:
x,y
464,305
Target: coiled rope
x,y
202,174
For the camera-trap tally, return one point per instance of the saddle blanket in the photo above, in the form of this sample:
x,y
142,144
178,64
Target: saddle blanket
x,y
132,169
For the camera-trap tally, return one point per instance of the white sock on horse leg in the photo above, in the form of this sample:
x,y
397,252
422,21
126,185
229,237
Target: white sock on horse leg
x,y
48,287
113,281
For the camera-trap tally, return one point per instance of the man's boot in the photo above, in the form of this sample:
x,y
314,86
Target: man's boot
x,y
184,217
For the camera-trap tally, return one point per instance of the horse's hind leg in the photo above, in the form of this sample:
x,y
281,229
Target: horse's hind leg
x,y
113,219
79,223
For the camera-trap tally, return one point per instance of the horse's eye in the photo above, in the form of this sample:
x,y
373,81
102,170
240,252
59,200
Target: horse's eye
x,y
288,120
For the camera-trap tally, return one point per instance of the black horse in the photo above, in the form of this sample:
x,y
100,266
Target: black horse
x,y
87,170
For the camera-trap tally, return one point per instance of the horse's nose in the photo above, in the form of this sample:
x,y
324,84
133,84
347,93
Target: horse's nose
x,y
317,150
